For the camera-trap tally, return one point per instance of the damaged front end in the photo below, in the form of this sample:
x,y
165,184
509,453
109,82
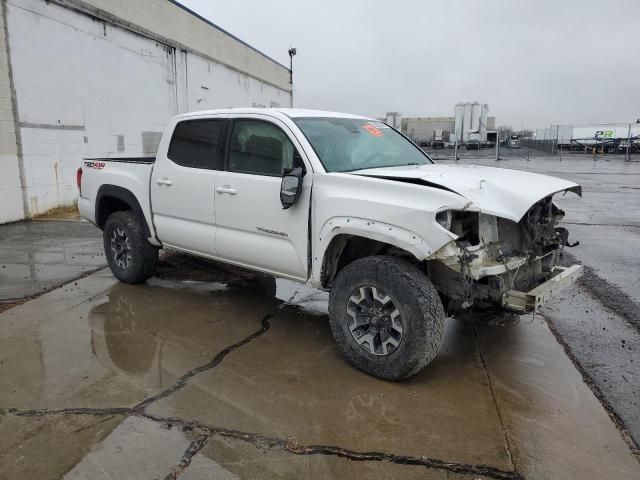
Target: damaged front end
x,y
498,265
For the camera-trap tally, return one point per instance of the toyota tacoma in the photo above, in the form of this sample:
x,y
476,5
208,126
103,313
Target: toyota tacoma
x,y
343,203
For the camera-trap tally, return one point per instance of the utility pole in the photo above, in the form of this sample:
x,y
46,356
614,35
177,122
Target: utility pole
x,y
292,53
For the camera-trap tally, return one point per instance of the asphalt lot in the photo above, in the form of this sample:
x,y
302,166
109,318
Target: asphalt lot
x,y
212,372
37,256
598,322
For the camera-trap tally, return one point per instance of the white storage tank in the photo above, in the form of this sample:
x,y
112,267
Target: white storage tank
x,y
458,121
475,117
466,123
484,111
470,119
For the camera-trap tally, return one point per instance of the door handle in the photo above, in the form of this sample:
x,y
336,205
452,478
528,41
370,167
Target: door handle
x,y
226,189
164,181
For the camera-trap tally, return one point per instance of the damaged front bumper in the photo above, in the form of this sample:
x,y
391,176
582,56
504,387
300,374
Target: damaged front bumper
x,y
533,299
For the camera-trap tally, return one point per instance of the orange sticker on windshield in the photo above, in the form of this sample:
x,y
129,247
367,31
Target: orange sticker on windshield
x,y
372,130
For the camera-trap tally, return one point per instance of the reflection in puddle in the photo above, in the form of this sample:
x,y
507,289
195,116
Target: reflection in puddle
x,y
148,330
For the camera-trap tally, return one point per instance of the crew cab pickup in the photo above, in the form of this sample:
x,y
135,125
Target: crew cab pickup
x,y
343,203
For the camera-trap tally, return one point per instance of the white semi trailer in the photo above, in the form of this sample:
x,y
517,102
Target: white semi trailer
x,y
611,137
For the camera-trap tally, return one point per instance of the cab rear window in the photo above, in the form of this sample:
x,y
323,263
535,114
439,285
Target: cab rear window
x,y
197,144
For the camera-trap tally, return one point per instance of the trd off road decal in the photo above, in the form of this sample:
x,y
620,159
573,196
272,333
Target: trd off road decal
x,y
94,165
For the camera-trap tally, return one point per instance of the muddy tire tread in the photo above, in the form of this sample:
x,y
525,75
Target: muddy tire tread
x,y
427,334
145,255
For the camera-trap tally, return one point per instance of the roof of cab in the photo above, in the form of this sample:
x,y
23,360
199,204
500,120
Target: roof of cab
x,y
289,112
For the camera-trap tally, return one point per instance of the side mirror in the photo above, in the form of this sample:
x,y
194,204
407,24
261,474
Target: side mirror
x,y
291,187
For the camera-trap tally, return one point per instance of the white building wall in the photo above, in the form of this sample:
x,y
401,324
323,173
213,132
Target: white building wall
x,y
421,129
90,88
180,27
213,85
11,205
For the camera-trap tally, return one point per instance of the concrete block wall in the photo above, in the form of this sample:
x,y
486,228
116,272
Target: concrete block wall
x,y
11,204
96,86
178,26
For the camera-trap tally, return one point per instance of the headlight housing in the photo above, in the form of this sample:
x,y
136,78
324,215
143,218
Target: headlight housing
x,y
444,219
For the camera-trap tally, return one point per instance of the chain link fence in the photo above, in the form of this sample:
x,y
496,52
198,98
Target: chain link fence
x,y
620,139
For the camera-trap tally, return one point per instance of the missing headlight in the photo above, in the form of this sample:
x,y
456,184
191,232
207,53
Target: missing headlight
x,y
444,218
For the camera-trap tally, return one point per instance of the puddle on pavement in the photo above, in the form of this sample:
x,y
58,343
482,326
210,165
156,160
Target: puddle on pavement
x,y
86,447
39,255
552,419
292,383
123,345
99,343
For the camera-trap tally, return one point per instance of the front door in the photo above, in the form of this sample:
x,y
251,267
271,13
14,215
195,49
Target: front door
x,y
252,227
182,185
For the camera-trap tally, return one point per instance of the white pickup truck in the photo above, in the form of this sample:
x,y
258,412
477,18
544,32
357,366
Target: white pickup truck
x,y
344,203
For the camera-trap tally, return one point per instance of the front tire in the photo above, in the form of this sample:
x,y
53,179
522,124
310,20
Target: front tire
x,y
130,256
386,317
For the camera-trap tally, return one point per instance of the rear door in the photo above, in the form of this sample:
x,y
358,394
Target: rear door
x,y
253,228
183,182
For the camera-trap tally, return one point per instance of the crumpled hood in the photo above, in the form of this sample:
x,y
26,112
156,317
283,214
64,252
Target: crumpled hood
x,y
495,191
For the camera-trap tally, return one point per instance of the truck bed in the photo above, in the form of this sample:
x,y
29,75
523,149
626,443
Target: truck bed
x,y
106,176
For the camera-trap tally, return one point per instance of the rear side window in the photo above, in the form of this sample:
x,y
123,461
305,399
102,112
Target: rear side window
x,y
260,148
197,144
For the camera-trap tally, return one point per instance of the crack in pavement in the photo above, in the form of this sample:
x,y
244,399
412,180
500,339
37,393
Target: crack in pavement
x,y
612,298
45,412
586,378
259,441
194,447
265,442
215,361
493,396
262,441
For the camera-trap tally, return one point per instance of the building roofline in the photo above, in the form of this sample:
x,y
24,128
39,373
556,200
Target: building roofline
x,y
217,27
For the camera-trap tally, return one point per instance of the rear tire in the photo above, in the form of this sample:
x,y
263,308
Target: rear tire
x,y
131,257
386,317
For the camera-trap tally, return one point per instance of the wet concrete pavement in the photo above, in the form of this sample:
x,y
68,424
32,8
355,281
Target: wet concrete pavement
x,y
227,380
214,372
599,321
36,256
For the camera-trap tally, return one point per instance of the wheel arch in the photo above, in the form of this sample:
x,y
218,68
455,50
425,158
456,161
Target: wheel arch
x,y
345,239
113,198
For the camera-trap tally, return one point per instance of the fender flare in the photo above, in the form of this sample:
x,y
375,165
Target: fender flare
x,y
126,196
372,229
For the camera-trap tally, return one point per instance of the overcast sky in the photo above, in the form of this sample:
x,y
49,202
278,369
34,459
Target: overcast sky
x,y
539,62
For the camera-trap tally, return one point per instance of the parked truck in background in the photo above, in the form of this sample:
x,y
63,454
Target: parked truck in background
x,y
609,137
438,139
343,203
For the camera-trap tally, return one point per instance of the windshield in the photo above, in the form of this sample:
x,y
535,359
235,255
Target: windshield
x,y
347,144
